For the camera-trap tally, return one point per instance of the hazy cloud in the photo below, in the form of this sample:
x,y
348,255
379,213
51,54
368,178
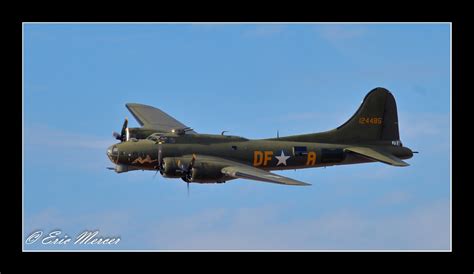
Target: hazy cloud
x,y
416,125
37,88
68,150
266,228
345,39
420,90
46,136
109,223
298,116
408,71
48,217
261,31
426,227
204,27
394,198
341,33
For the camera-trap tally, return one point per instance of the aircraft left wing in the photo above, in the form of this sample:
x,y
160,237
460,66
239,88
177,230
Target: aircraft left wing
x,y
153,118
252,173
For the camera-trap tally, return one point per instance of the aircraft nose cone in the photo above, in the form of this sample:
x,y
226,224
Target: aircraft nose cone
x,y
109,153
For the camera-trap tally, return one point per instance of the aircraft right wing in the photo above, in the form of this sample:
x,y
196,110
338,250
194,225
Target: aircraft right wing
x,y
153,118
252,173
239,170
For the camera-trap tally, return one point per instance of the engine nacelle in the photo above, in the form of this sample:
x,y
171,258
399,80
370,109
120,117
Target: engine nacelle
x,y
209,174
202,171
171,168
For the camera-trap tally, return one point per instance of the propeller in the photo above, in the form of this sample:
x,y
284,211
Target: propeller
x,y
124,133
187,170
191,164
160,162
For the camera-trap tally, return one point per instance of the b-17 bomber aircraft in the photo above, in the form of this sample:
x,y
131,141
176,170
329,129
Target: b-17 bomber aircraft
x,y
163,144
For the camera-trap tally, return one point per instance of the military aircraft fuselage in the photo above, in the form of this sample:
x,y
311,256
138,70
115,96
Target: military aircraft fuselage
x,y
176,151
265,154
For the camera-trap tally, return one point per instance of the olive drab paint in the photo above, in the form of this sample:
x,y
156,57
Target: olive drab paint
x,y
165,145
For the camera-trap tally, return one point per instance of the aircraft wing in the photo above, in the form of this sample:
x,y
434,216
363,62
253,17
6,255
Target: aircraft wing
x,y
153,118
252,173
377,155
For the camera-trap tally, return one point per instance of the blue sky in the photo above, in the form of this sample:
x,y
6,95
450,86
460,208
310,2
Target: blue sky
x,y
252,80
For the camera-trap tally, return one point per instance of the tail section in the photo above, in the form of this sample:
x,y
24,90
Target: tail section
x,y
376,120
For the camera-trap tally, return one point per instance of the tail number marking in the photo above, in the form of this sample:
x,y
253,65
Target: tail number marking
x,y
370,121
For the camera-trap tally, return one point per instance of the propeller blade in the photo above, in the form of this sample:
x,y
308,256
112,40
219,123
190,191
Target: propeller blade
x,y
124,127
159,156
160,164
124,134
191,164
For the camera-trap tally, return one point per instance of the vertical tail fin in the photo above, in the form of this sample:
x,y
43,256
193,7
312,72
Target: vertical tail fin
x,y
375,120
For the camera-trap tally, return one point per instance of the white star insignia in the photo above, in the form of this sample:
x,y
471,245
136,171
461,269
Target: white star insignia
x,y
282,158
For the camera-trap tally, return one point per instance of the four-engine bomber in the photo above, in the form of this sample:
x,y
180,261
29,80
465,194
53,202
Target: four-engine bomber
x,y
163,144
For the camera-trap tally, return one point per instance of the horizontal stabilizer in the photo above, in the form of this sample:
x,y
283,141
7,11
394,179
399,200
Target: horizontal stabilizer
x,y
377,155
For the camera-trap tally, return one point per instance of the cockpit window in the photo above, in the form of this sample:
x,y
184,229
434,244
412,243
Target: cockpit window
x,y
159,138
155,137
300,151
